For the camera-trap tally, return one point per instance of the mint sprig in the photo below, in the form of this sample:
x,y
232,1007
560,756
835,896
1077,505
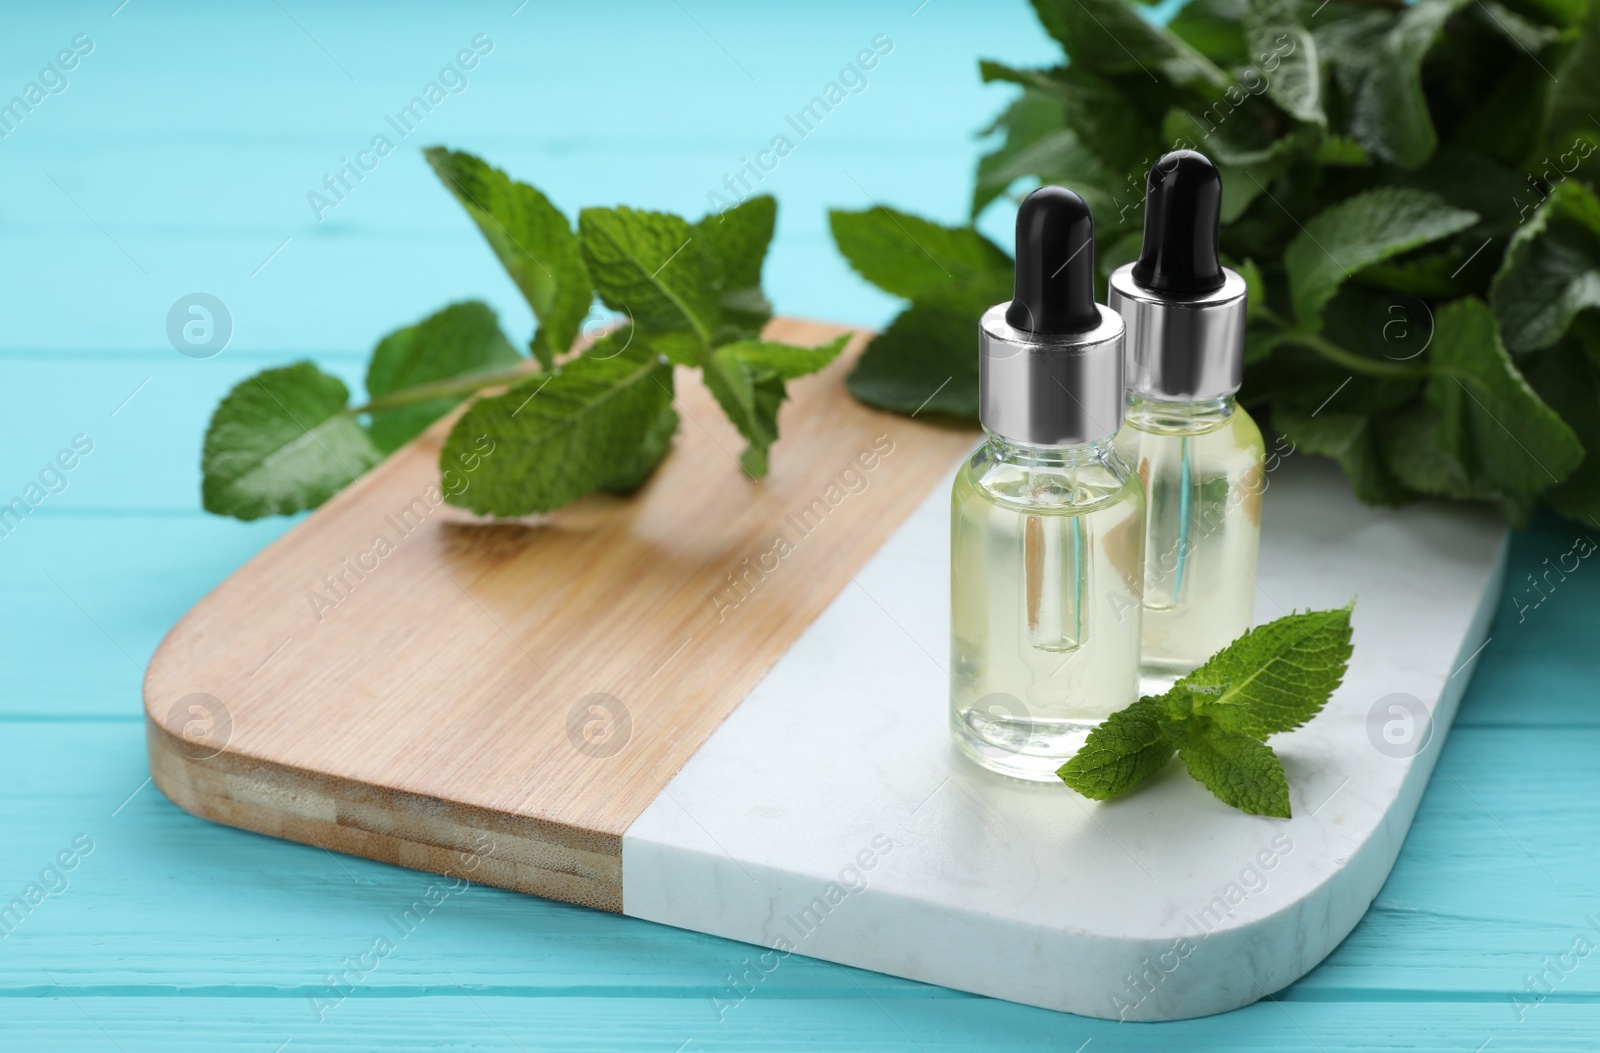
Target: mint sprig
x,y
544,432
1272,679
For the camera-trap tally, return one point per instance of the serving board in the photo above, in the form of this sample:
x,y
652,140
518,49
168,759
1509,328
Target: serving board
x,y
545,706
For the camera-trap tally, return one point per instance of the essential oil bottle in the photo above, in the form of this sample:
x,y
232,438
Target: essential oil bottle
x,y
1197,453
1047,520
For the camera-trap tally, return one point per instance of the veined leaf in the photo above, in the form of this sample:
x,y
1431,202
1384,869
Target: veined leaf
x,y
1490,420
1551,270
926,361
1274,31
735,244
280,442
1361,231
1276,676
911,257
1109,37
552,439
748,378
457,341
1240,771
533,240
1124,751
1378,62
648,266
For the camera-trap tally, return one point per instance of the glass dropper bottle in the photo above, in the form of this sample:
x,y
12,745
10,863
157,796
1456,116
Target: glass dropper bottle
x,y
1199,455
1047,520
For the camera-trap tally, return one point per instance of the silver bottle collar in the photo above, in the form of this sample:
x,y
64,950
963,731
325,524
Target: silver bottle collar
x,y
1182,349
1050,390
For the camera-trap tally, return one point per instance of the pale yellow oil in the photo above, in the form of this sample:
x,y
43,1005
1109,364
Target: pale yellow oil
x,y
1201,464
1046,558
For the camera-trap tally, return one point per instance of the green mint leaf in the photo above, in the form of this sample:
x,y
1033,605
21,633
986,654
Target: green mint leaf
x,y
786,360
1028,120
533,240
926,362
735,242
1490,420
637,469
1575,96
1215,29
1377,62
1551,270
916,259
1342,151
1275,677
1273,29
1360,231
281,442
1568,379
460,340
1241,771
747,378
1352,442
1102,116
651,267
1124,751
553,439
1109,37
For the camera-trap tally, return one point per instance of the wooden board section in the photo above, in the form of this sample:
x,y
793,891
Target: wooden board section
x,y
505,699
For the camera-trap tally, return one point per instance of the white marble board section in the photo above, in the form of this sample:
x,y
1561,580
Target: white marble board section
x,y
830,816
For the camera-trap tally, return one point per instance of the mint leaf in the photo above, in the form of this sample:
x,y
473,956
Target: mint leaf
x,y
1110,38
1490,421
1273,678
926,362
637,469
1276,676
1239,770
1032,117
1296,85
750,397
1568,379
533,240
649,266
747,379
552,439
281,442
1124,751
1351,441
1360,231
914,258
457,341
786,360
1214,28
1378,64
1551,270
735,243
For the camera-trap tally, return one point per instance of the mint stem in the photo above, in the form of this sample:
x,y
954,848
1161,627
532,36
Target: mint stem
x,y
439,389
1334,353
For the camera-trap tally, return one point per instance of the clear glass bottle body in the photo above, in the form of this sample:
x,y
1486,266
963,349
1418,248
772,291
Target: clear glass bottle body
x,y
1202,467
1046,558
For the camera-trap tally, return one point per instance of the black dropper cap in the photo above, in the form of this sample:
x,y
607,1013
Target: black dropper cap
x,y
1055,265
1182,212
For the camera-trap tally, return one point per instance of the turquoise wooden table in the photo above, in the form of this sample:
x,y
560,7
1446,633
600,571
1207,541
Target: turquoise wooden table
x,y
177,157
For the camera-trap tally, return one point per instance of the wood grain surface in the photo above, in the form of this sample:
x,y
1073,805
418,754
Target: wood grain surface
x,y
399,680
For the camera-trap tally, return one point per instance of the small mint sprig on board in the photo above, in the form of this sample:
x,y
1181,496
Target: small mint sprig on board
x,y
564,425
1273,678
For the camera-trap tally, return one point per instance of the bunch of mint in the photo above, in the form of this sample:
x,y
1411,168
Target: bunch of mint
x,y
564,425
1217,719
1406,191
